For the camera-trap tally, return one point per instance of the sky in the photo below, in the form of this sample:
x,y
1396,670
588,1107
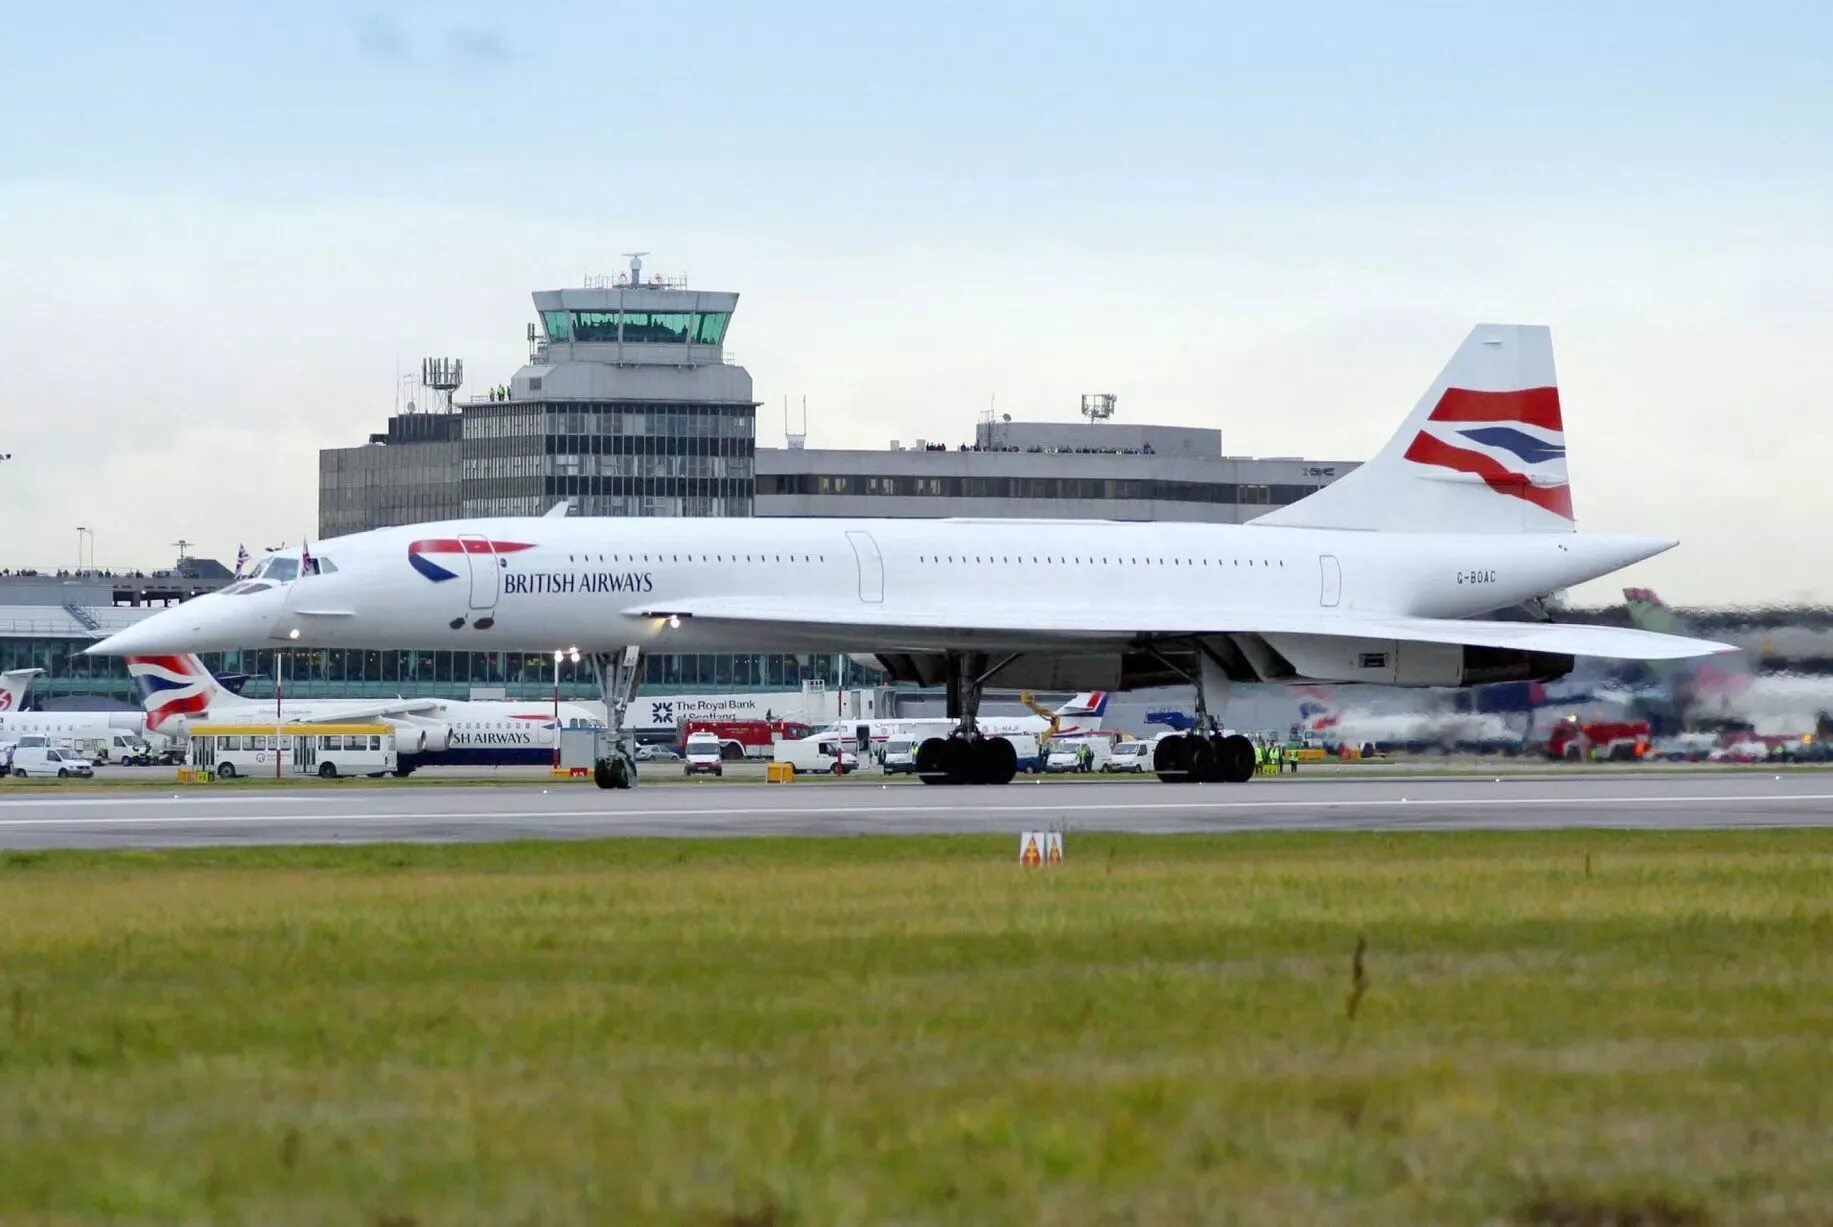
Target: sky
x,y
227,229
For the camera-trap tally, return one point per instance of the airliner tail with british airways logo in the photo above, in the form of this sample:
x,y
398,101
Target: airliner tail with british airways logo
x,y
1483,452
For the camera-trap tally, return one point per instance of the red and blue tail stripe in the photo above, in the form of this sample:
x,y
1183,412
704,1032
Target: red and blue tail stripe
x,y
1519,443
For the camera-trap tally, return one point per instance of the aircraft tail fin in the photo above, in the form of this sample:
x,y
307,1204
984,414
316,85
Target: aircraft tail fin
x,y
14,684
1088,708
172,687
1725,675
1484,451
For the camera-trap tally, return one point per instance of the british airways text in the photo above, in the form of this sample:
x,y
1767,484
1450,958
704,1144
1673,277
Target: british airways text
x,y
539,582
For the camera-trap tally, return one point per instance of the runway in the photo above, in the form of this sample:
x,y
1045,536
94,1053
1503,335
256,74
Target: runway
x,y
245,814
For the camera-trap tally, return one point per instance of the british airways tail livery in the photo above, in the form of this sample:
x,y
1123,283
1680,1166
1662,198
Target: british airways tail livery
x,y
1380,577
177,688
14,686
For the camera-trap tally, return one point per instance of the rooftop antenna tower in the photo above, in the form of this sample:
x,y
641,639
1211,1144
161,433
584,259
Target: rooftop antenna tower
x,y
636,266
442,375
1098,406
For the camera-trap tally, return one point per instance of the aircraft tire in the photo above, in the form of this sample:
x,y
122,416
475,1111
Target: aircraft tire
x,y
993,761
601,773
932,761
1205,762
1235,759
1171,759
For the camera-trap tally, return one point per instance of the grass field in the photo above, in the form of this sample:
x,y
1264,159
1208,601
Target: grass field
x,y
1571,1028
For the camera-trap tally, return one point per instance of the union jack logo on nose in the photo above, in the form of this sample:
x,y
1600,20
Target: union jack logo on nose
x,y
421,554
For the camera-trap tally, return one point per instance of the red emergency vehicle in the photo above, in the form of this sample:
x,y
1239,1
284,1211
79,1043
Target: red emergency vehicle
x,y
1612,740
744,738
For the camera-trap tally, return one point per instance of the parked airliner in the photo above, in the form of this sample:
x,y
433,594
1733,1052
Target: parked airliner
x,y
177,689
1375,578
14,685
102,729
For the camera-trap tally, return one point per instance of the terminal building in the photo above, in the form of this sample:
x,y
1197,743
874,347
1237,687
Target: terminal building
x,y
1094,469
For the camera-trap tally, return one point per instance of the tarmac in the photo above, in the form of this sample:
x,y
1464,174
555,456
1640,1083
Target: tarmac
x,y
246,813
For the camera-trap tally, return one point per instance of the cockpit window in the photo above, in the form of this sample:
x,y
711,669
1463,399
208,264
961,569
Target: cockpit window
x,y
325,566
243,587
276,567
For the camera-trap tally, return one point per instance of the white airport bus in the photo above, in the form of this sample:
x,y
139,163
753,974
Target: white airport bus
x,y
323,750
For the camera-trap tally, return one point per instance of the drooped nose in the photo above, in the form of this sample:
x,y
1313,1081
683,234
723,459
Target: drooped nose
x,y
213,623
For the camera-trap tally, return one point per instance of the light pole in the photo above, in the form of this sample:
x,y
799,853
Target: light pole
x,y
559,655
80,530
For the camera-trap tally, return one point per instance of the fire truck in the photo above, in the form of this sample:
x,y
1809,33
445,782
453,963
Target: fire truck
x,y
744,738
1607,740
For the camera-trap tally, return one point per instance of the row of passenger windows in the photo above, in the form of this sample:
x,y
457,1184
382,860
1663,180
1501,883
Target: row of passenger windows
x,y
1090,561
933,559
633,558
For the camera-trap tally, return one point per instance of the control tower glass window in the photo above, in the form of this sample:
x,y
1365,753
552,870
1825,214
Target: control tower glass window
x,y
559,325
657,327
710,327
595,326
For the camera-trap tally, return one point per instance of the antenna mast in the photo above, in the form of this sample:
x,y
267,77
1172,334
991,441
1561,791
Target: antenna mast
x,y
443,375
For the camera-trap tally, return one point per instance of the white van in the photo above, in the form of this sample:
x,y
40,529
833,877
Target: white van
x,y
705,755
1069,756
117,747
49,761
818,755
1130,756
900,756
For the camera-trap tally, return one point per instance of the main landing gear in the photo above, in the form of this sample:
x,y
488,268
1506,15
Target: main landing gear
x,y
966,755
618,674
1205,755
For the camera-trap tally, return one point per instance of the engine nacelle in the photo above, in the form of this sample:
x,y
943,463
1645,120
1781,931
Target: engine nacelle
x,y
415,737
1395,662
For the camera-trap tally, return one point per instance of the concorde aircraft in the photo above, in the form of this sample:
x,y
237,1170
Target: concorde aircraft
x,y
1378,577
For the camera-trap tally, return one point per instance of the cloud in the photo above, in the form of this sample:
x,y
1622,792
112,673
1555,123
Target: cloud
x,y
382,39
478,44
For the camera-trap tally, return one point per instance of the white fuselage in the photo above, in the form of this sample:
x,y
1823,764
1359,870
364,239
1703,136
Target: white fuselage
x,y
71,726
604,584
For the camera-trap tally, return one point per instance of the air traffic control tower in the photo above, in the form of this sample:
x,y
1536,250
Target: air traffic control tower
x,y
627,407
